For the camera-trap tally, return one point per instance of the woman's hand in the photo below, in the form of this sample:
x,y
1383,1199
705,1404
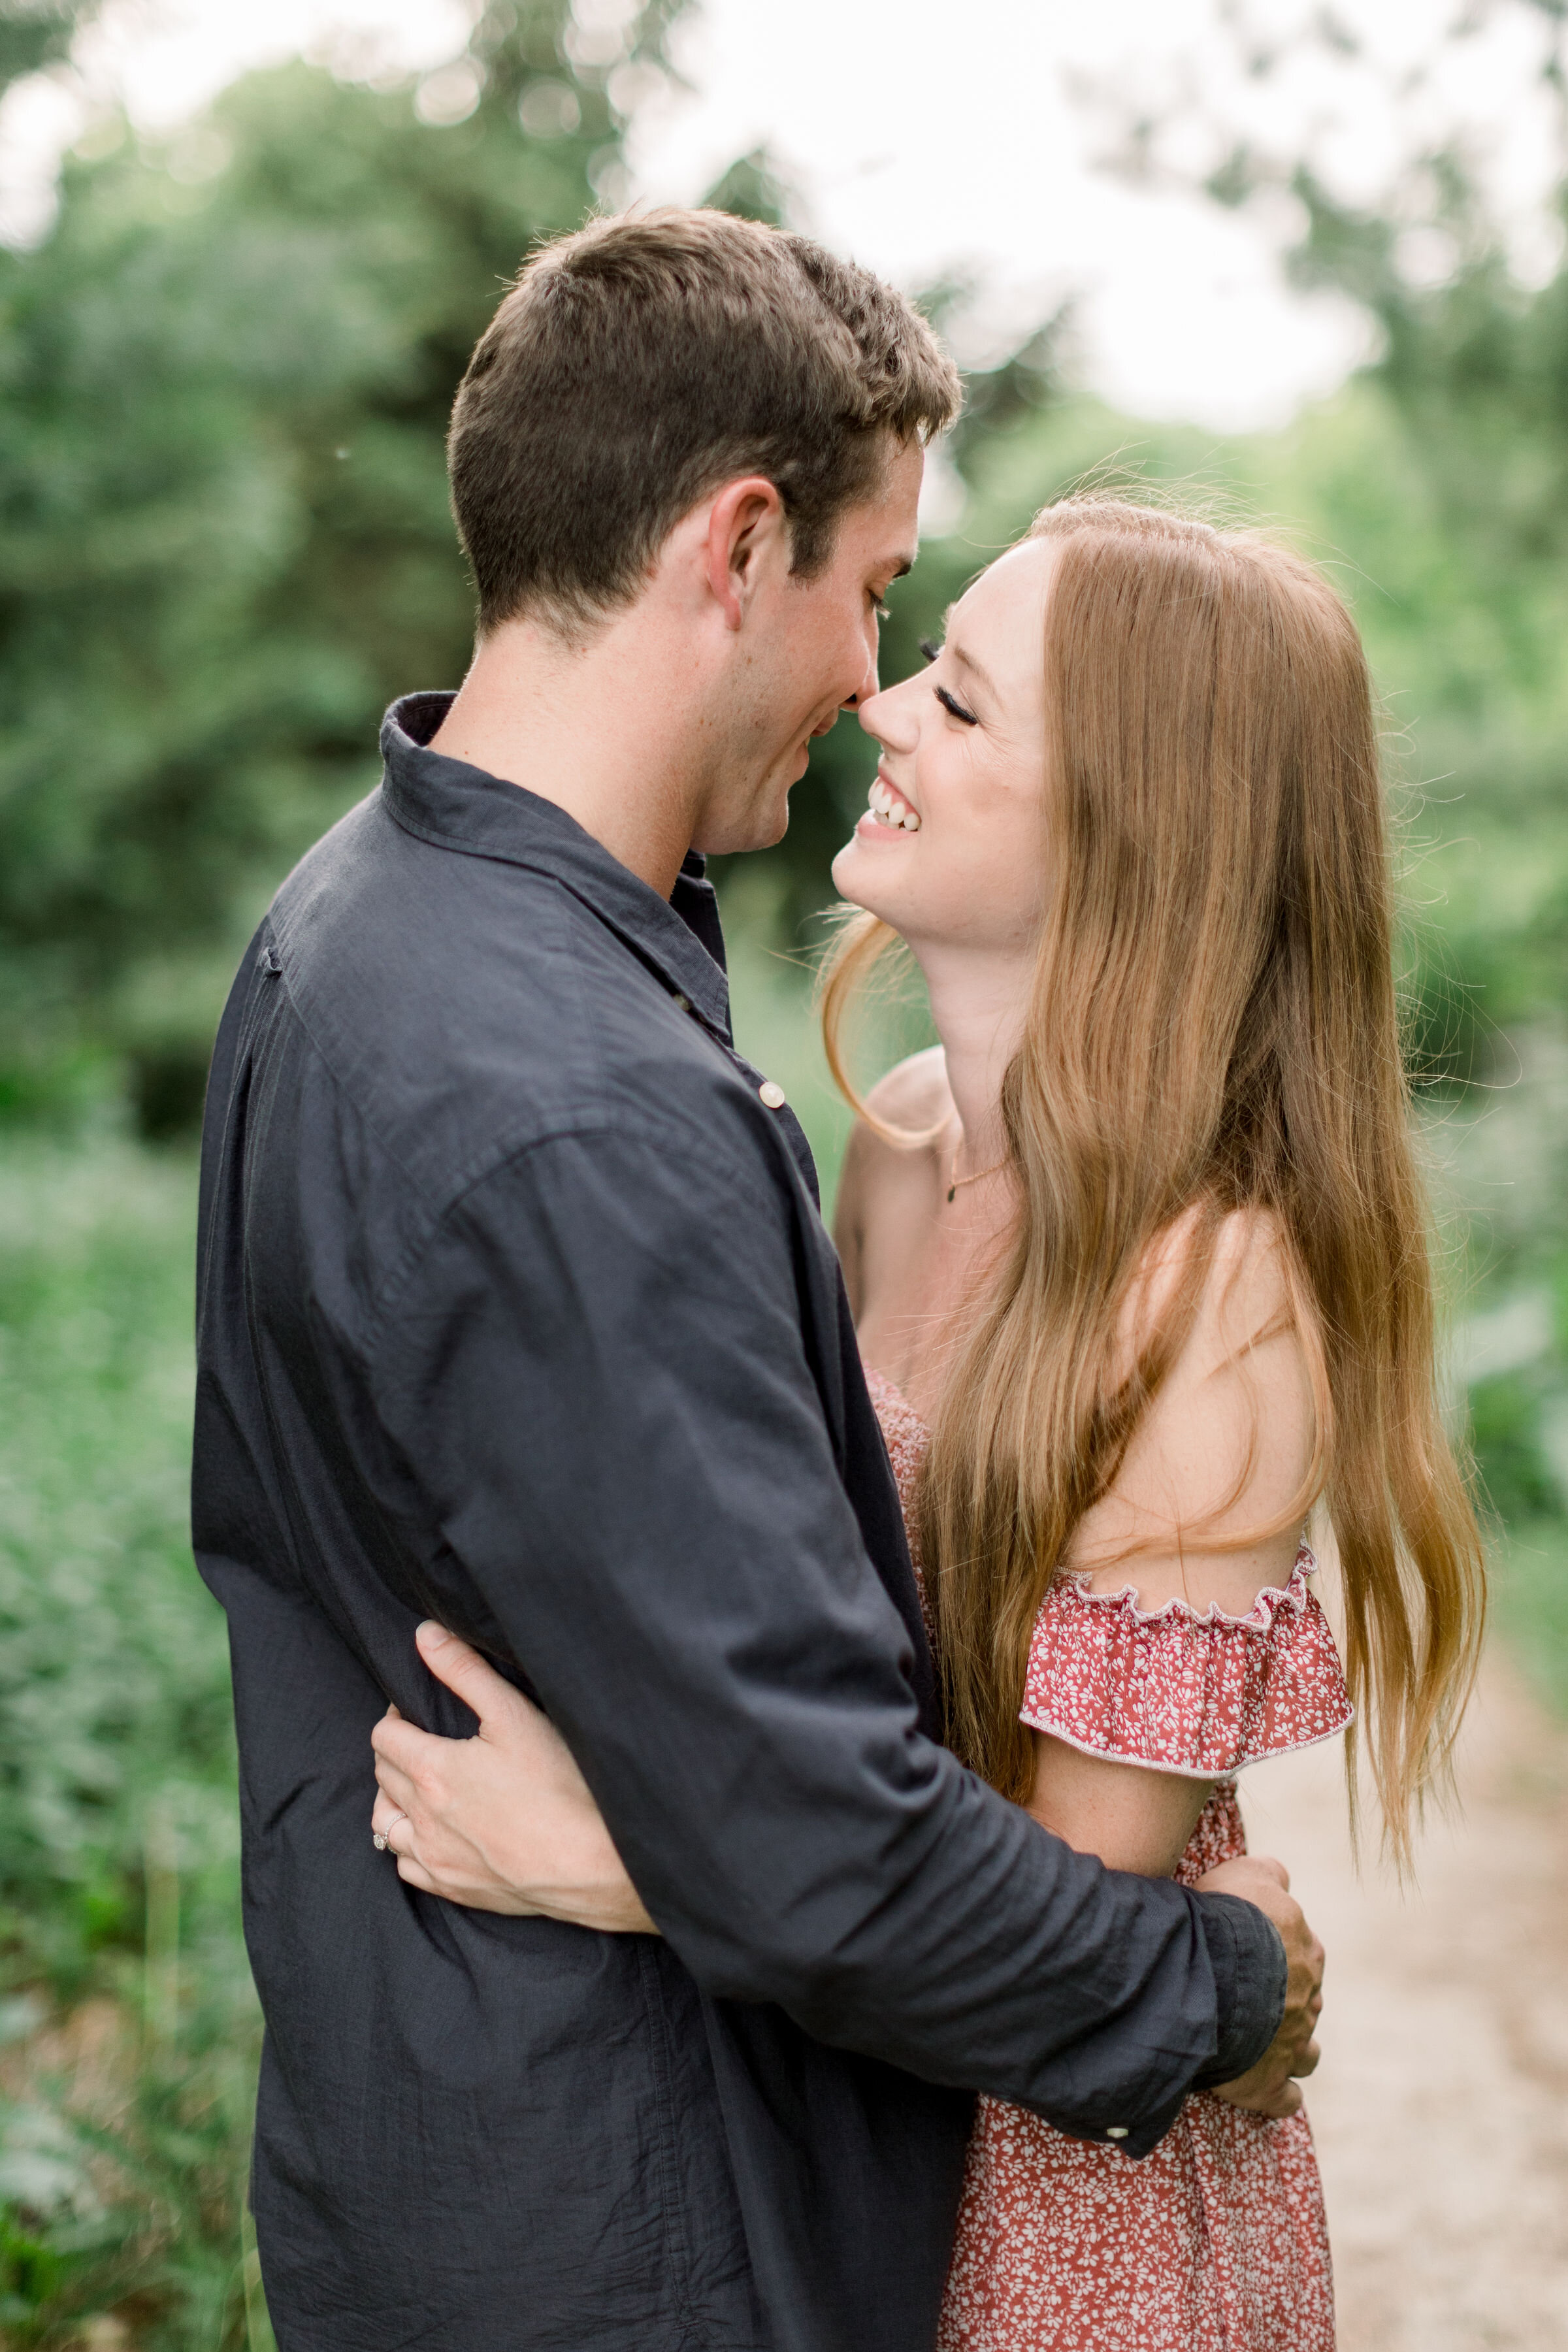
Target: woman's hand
x,y
503,1822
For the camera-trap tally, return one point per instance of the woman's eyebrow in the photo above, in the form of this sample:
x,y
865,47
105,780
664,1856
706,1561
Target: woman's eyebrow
x,y
974,668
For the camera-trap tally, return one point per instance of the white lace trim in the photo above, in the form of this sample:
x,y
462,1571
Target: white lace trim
x,y
1258,1619
1181,1771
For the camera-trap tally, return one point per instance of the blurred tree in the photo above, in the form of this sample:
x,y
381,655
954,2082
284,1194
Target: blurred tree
x,y
224,385
35,33
753,188
1437,483
224,534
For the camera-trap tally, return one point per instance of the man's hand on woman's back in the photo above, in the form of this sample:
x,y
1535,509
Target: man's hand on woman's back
x,y
1268,2088
449,1813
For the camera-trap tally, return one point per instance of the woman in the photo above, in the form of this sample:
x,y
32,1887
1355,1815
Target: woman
x,y
1136,1263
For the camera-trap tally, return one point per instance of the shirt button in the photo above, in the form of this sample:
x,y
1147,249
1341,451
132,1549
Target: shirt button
x,y
683,1004
1116,2131
773,1094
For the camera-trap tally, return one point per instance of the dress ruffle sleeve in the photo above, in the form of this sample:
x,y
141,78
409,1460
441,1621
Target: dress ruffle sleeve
x,y
1180,1691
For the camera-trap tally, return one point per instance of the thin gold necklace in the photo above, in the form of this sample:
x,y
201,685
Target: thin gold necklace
x,y
957,1182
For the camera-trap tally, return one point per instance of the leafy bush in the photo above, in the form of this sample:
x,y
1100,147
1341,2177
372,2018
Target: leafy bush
x,y
126,2089
224,541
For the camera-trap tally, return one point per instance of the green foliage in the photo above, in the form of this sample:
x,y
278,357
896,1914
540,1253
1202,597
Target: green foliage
x,y
1504,1415
752,189
35,33
125,2094
114,1669
224,542
1530,1597
1460,463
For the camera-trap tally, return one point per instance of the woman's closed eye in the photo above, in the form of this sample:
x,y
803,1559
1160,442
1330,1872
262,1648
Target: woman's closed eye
x,y
948,701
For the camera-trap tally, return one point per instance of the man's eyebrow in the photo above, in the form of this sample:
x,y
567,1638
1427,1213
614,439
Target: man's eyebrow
x,y
976,669
905,565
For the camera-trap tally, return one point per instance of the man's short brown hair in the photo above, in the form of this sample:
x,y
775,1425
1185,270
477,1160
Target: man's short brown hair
x,y
639,363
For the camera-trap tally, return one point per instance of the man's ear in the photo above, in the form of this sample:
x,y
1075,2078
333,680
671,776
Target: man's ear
x,y
745,524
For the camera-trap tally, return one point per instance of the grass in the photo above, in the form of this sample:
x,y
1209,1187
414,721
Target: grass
x,y
125,2000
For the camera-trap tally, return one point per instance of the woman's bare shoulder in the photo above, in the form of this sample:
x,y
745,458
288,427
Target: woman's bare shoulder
x,y
913,1096
1246,1295
1225,1443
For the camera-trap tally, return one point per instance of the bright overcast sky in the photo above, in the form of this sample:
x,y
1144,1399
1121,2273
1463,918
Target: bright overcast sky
x,y
931,139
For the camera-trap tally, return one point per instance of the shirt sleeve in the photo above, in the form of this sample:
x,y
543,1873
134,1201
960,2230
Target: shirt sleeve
x,y
597,1378
1180,1690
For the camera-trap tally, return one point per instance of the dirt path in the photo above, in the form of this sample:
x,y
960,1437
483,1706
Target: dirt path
x,y
1441,2105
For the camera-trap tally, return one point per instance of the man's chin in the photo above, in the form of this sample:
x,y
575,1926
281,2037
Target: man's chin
x,y
761,828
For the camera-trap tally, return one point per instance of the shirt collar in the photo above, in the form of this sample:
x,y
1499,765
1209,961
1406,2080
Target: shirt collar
x,y
456,806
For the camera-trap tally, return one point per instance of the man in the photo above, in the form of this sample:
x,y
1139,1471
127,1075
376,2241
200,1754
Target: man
x,y
516,1312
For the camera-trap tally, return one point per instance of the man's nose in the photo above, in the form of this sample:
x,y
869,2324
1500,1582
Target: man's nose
x,y
868,686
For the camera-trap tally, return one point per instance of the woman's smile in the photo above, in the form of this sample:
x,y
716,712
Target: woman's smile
x,y
889,810
978,776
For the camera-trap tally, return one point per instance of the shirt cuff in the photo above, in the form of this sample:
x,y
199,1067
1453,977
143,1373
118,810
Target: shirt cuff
x,y
1247,1955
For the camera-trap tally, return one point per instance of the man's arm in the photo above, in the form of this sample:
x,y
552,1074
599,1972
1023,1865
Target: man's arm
x,y
504,1822
597,1377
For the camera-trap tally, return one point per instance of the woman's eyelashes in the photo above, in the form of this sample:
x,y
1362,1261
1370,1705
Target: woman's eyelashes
x,y
949,702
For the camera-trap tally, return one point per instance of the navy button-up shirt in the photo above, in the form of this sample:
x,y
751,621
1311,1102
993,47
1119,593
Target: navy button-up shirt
x,y
516,1310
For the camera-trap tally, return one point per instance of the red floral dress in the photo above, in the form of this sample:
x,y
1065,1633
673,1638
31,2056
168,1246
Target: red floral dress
x,y
1216,2242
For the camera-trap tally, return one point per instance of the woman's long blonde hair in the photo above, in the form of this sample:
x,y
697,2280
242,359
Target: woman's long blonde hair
x,y
1213,1025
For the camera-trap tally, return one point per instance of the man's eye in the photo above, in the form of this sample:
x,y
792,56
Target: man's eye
x,y
881,611
957,709
932,651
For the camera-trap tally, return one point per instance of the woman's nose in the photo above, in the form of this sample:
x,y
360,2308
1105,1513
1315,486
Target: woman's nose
x,y
884,714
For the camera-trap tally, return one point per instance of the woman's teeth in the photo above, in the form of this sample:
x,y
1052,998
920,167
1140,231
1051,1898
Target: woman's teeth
x,y
890,808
